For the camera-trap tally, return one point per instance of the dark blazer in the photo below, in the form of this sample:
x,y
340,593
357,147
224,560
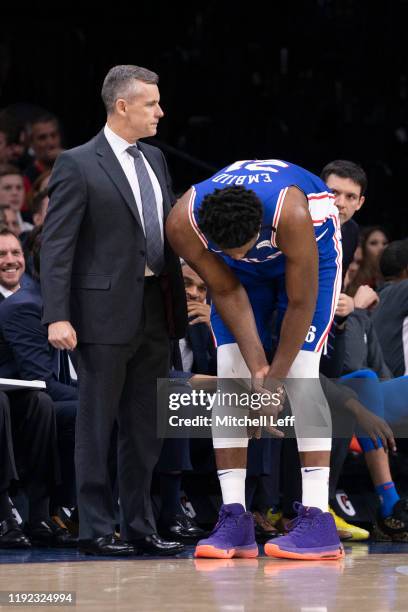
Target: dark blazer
x,y
93,250
349,236
204,352
24,349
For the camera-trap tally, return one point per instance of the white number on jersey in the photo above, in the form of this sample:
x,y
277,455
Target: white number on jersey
x,y
311,334
261,165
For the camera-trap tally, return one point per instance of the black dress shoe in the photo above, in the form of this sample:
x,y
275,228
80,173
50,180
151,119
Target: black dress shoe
x,y
12,536
183,528
48,533
107,545
154,545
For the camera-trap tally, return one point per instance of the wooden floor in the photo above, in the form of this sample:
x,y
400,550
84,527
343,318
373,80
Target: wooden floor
x,y
371,578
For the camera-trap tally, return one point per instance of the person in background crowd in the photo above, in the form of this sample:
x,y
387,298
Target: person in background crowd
x,y
32,445
12,193
373,242
45,142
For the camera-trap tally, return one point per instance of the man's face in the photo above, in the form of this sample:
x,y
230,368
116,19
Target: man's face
x,y
46,141
16,149
196,289
12,190
12,263
348,196
142,112
10,217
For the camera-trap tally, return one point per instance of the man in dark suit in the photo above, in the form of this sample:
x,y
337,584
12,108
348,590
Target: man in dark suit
x,y
111,283
31,434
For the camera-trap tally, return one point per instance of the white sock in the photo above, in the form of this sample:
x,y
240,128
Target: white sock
x,y
315,487
232,486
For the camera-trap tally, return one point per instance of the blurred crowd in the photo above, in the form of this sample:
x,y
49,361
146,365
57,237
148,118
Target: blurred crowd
x,y
368,342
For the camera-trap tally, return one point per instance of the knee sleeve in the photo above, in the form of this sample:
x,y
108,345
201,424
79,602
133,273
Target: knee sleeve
x,y
230,442
306,445
313,423
230,363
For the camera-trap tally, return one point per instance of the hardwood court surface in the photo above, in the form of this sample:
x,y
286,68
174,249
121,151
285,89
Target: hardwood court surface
x,y
372,577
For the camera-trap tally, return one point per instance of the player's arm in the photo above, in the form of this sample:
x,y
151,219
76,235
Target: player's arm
x,y
227,293
296,239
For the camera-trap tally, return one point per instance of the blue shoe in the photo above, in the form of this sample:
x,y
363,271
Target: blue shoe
x,y
232,536
312,536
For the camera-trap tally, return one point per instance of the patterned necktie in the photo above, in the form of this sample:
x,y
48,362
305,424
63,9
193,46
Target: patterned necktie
x,y
154,242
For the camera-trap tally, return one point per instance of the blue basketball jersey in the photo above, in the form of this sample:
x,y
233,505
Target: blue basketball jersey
x,y
270,180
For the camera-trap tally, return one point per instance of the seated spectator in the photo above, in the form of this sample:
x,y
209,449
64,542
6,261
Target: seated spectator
x,y
25,352
390,318
12,192
29,462
11,139
45,142
348,181
192,357
373,242
10,219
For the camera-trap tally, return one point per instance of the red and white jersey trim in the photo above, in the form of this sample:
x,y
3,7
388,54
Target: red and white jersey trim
x,y
192,218
276,216
321,207
337,282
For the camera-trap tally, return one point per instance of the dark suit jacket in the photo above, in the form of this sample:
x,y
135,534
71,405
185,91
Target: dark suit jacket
x,y
349,236
202,345
24,349
93,251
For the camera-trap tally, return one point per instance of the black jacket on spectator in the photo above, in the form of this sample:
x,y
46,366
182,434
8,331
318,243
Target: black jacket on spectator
x,y
349,234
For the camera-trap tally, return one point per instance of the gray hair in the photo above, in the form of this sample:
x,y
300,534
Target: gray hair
x,y
120,83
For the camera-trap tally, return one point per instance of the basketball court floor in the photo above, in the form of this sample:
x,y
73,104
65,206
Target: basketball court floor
x,y
372,577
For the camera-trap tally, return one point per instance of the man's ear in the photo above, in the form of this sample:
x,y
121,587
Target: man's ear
x,y
120,105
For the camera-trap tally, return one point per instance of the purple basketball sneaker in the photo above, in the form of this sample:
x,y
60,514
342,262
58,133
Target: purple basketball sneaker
x,y
312,535
232,536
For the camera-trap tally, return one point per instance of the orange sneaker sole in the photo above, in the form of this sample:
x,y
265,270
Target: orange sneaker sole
x,y
210,552
273,550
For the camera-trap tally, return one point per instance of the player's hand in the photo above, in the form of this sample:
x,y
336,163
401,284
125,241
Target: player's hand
x,y
375,427
272,388
345,305
199,311
61,335
365,297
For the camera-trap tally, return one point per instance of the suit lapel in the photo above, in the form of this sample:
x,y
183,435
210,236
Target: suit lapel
x,y
109,162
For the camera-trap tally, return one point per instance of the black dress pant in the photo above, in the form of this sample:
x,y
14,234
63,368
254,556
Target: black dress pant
x,y
65,493
117,383
28,440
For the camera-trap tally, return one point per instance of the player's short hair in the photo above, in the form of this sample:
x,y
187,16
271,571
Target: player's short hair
x,y
230,217
345,168
120,83
394,258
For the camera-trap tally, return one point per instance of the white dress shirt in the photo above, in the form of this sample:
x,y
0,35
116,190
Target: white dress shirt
x,y
6,292
119,146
